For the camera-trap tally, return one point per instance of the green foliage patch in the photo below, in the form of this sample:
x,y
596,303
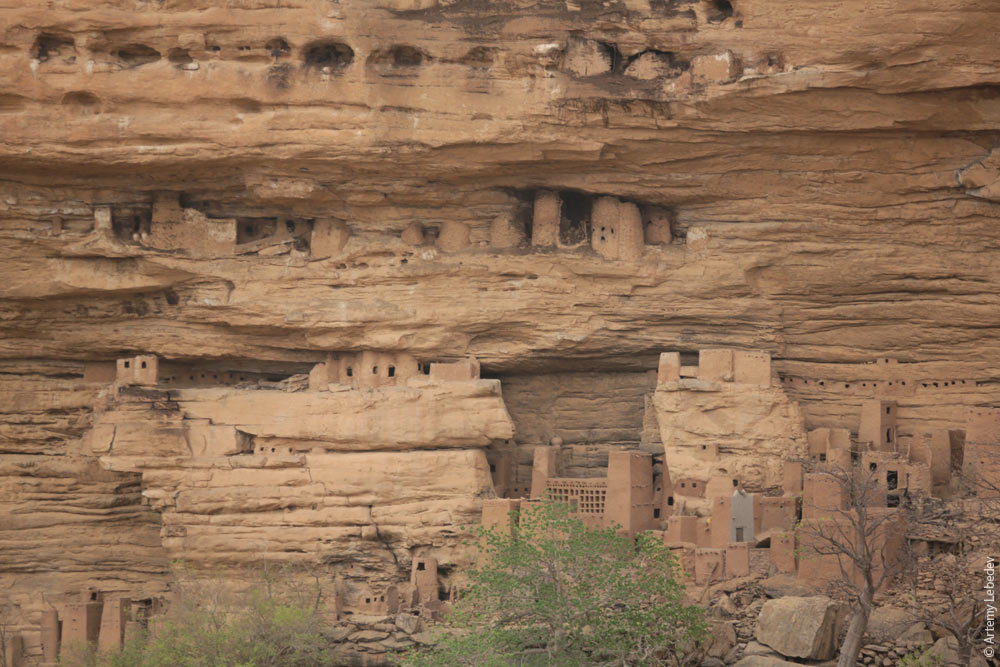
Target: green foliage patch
x,y
555,591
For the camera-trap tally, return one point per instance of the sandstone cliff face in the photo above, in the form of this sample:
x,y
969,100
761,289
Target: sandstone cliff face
x,y
249,188
244,475
741,431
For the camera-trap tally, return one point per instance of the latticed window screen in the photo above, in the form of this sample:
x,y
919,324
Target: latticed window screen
x,y
588,495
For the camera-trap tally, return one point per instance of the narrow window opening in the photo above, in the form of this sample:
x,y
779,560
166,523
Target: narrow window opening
x,y
872,467
421,566
392,371
670,501
656,512
892,479
127,364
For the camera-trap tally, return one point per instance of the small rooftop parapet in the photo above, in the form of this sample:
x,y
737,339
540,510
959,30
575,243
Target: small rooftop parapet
x,y
718,365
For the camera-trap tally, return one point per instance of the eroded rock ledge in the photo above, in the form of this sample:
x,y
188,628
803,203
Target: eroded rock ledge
x,y
244,190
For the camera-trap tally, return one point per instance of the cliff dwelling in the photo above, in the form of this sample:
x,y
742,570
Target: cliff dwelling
x,y
319,287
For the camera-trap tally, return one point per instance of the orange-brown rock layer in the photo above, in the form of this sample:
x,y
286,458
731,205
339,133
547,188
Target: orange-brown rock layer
x,y
255,186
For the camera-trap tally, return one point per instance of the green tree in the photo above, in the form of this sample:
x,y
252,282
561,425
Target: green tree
x,y
277,622
554,591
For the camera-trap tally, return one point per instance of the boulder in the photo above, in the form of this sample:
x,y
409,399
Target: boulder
x,y
721,640
799,627
339,633
408,623
916,634
764,661
887,623
782,585
945,653
756,648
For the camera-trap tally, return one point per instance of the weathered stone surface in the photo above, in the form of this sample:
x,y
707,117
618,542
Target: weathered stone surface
x,y
945,652
827,172
781,585
887,623
368,636
755,429
408,623
801,627
763,661
435,415
756,649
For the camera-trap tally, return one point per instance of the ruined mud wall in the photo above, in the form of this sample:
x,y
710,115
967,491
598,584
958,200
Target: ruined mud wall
x,y
249,188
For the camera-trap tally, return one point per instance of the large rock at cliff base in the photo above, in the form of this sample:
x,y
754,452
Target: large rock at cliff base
x,y
887,623
801,627
763,661
945,652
